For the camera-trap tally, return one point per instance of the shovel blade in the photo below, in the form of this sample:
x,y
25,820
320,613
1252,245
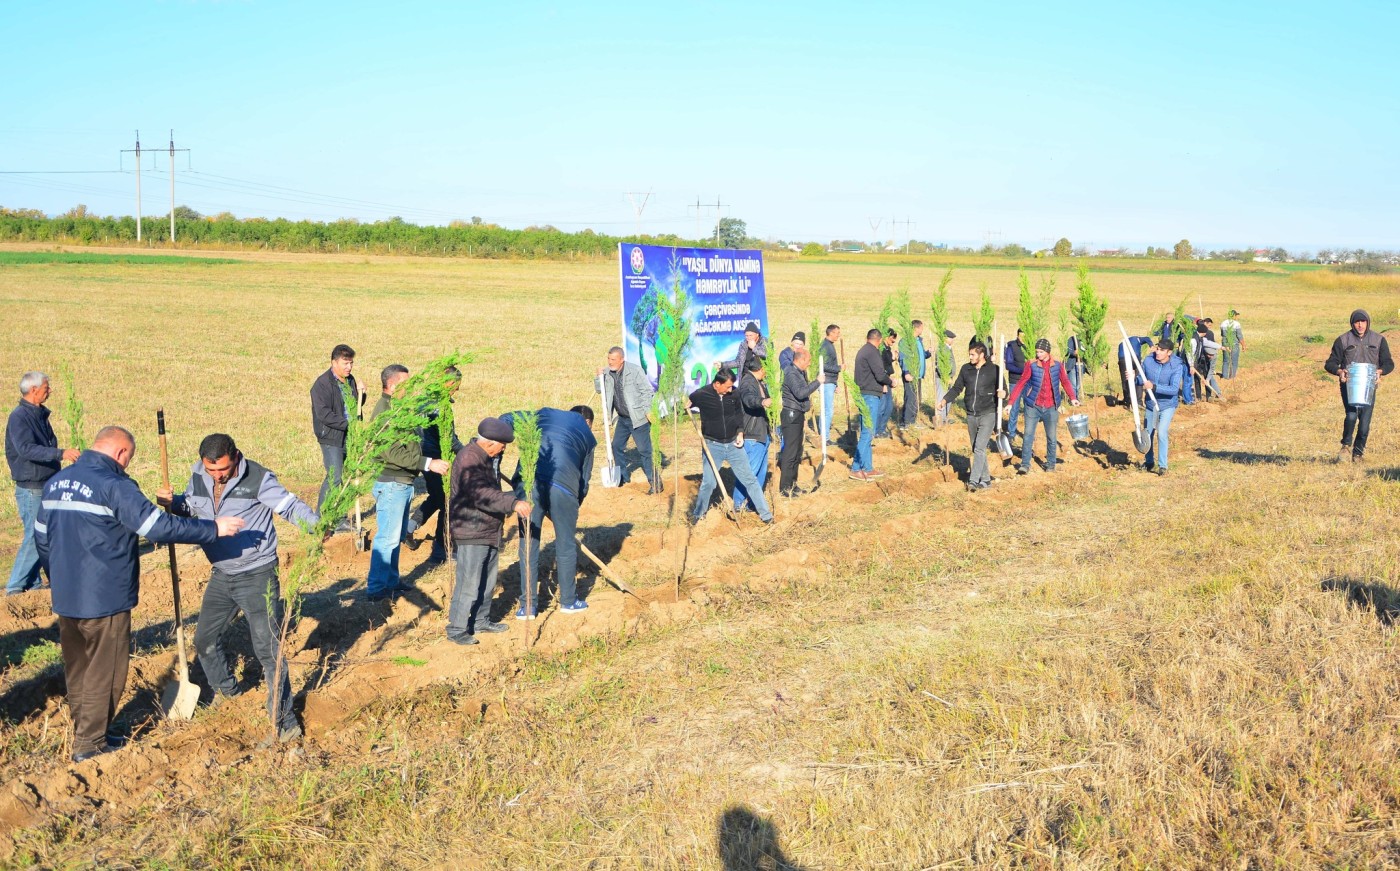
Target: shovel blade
x,y
180,699
612,476
1004,446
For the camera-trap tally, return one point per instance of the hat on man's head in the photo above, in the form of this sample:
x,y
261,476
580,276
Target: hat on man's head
x,y
1359,315
752,327
799,336
1233,312
496,430
949,334
1042,345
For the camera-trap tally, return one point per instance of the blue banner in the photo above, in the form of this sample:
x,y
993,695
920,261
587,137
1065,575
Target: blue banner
x,y
725,287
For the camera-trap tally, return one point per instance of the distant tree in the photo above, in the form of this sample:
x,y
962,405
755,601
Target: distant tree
x,y
1014,249
476,219
731,232
1151,252
813,249
1278,255
78,212
1062,248
1182,251
185,213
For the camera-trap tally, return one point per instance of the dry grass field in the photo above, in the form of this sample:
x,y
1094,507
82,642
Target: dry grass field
x,y
1096,668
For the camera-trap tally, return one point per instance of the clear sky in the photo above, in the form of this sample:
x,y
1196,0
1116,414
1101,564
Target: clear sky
x,y
1116,123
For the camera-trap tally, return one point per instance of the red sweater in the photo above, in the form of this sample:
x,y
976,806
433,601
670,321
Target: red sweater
x,y
1046,397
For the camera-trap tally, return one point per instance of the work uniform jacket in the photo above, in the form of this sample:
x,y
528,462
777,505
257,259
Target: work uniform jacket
x,y
90,522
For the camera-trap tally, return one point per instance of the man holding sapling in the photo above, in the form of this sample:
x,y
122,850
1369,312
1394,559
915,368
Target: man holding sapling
x,y
90,523
478,508
722,428
1360,344
33,454
561,484
979,383
831,371
797,401
913,375
335,399
1232,337
243,567
393,494
1043,386
628,396
873,383
435,444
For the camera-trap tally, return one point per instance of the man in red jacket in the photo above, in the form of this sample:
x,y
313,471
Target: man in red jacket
x,y
478,509
1044,384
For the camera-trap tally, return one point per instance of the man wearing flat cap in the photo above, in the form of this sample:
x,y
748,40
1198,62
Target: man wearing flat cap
x,y
1044,385
477,509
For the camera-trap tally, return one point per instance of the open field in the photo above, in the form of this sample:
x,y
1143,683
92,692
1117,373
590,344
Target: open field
x,y
1097,668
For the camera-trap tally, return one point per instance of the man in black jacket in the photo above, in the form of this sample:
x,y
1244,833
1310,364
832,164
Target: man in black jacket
x,y
979,381
1015,359
754,399
797,401
334,398
870,377
722,428
1360,344
32,451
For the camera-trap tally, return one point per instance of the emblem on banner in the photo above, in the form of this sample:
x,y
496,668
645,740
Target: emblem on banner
x,y
638,261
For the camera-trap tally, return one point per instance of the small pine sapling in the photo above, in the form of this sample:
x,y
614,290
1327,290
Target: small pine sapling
x,y
938,327
985,316
72,410
527,444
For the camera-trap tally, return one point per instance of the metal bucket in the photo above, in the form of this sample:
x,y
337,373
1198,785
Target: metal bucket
x,y
1078,426
1361,384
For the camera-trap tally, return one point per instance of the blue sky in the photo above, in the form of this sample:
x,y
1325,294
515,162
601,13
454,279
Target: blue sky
x,y
1229,124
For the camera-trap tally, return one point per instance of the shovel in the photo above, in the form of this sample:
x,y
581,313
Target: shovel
x,y
1142,440
181,696
611,472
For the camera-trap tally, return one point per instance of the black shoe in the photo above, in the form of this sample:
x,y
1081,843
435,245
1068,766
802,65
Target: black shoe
x,y
116,740
464,640
85,756
1022,470
411,543
493,628
655,488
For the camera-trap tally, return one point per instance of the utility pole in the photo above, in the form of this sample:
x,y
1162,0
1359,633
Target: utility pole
x,y
137,149
173,149
638,207
907,224
875,228
700,209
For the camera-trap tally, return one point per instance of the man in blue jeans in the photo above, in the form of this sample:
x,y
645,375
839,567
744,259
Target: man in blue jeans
x,y
1014,356
722,428
33,454
1166,378
1042,388
874,385
393,493
335,398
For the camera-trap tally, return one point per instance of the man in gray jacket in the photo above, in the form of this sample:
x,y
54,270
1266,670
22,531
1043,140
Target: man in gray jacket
x,y
243,567
628,396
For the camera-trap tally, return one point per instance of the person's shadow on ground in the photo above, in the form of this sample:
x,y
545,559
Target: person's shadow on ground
x,y
749,842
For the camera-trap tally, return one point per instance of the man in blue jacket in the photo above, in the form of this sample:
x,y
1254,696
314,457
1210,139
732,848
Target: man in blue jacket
x,y
561,484
90,520
32,451
1164,385
243,568
1014,356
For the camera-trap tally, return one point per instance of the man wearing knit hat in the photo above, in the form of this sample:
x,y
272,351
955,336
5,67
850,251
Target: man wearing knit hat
x,y
799,341
1043,384
753,345
1357,345
477,509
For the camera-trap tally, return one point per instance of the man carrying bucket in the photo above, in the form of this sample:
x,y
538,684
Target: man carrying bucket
x,y
1359,359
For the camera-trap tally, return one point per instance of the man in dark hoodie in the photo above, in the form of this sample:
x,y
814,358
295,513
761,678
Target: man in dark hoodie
x,y
477,509
722,428
797,401
32,451
1360,344
393,494
978,381
754,399
869,374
